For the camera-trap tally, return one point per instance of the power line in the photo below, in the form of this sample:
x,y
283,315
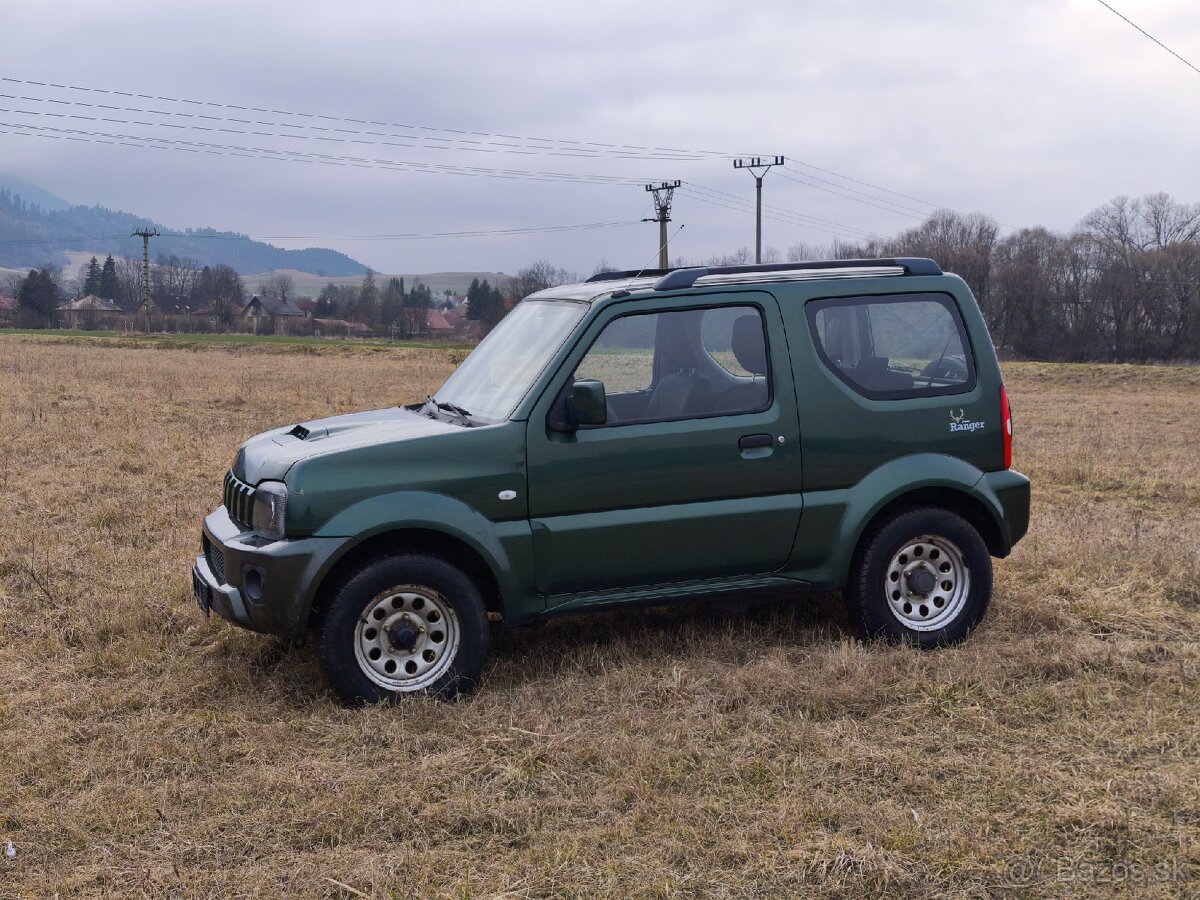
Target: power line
x,y
875,187
533,146
157,143
402,164
828,190
409,236
67,240
1149,35
431,132
354,121
748,205
802,175
404,236
525,149
270,154
750,211
767,214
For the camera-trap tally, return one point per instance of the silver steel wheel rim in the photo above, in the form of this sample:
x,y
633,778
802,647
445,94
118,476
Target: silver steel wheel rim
x,y
406,638
927,583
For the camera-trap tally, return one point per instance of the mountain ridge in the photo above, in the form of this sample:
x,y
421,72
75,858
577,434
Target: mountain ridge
x,y
37,227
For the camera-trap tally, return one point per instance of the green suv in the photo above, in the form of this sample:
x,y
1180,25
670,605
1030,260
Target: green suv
x,y
640,438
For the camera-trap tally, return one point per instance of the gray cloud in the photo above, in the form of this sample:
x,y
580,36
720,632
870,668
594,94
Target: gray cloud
x,y
1034,112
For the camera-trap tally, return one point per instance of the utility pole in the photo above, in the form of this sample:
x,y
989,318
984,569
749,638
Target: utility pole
x,y
662,208
145,234
755,163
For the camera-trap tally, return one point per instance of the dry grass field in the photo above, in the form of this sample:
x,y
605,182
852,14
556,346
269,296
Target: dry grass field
x,y
145,752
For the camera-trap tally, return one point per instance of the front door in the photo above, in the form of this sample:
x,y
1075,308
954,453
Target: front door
x,y
696,475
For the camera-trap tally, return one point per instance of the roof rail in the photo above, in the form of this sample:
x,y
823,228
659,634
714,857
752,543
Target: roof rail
x,y
685,278
624,276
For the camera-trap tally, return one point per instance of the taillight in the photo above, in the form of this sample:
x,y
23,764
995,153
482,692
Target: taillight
x,y
1006,424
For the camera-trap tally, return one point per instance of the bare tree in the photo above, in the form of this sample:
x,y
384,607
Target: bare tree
x,y
537,277
280,285
129,283
173,279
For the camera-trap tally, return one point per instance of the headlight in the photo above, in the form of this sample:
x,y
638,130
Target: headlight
x,y
270,507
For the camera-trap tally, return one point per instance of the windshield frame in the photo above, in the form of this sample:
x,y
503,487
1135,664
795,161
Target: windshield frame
x,y
537,377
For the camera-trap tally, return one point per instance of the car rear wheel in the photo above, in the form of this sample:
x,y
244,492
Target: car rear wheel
x,y
405,624
924,577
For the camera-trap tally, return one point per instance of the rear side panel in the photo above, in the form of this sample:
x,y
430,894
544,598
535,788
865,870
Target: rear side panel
x,y
859,451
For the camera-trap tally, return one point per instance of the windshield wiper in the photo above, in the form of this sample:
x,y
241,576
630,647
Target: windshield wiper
x,y
448,407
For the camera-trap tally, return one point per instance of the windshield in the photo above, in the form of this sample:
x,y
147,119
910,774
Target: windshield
x,y
499,372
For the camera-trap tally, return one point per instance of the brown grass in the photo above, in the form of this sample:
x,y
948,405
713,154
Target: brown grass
x,y
694,752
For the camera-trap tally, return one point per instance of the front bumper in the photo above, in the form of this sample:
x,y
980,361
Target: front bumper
x,y
266,586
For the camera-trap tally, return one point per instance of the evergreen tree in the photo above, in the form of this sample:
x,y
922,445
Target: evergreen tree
x,y
367,308
327,302
391,302
91,281
109,286
39,293
476,300
485,303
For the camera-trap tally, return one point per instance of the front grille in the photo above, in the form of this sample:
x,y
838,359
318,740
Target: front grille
x,y
216,559
239,500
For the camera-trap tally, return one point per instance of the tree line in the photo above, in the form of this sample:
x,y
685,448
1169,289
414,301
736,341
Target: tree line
x,y
390,309
178,286
1123,286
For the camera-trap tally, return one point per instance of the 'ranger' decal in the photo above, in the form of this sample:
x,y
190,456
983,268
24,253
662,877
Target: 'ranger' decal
x,y
960,422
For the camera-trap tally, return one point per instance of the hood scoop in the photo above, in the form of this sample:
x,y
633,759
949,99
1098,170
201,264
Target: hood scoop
x,y
300,432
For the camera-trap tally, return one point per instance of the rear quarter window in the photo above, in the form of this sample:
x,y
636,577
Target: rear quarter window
x,y
894,347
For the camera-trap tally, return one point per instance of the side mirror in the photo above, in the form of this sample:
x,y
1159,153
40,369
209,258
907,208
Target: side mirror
x,y
579,403
588,405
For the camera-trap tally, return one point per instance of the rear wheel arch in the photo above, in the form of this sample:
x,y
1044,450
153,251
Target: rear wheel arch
x,y
954,500
408,540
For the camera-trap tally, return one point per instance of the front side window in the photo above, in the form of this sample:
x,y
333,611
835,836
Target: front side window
x,y
893,347
681,364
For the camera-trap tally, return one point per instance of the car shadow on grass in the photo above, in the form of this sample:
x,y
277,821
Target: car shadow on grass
x,y
737,632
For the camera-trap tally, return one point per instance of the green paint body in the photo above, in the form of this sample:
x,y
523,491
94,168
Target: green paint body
x,y
641,513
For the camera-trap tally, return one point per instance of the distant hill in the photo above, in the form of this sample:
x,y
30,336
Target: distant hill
x,y
31,193
29,213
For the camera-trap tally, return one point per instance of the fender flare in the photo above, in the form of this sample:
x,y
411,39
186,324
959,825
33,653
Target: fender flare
x,y
426,511
901,477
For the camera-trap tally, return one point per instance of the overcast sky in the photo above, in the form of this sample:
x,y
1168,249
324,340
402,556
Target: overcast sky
x,y
1033,111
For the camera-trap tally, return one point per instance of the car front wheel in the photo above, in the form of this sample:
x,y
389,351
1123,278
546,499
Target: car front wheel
x,y
405,624
924,578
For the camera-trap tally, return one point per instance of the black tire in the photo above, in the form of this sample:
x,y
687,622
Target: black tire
x,y
877,607
407,593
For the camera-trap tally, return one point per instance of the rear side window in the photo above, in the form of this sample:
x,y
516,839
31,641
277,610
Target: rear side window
x,y
892,347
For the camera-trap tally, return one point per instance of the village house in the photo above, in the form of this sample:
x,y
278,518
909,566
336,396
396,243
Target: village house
x,y
272,315
88,312
437,323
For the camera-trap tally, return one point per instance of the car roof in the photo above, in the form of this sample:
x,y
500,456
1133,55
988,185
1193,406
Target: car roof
x,y
608,284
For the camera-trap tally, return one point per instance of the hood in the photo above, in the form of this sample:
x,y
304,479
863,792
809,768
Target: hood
x,y
269,455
